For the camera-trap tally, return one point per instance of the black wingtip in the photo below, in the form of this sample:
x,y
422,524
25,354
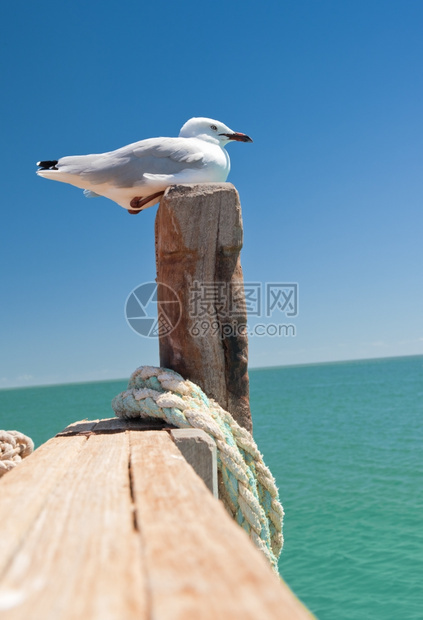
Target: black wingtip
x,y
48,165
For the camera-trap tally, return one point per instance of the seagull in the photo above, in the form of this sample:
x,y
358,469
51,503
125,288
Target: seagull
x,y
136,176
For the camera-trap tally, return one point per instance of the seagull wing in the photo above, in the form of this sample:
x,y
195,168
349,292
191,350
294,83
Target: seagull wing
x,y
136,163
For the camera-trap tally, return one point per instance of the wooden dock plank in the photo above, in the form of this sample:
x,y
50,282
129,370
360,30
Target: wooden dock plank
x,y
114,425
81,558
23,491
200,564
115,525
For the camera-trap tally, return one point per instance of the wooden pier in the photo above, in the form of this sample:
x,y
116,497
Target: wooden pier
x,y
108,521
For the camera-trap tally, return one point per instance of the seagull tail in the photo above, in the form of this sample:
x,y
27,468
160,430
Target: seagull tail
x,y
56,174
49,173
49,164
48,168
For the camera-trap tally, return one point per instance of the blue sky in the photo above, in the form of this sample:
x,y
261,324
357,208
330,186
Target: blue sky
x,y
331,189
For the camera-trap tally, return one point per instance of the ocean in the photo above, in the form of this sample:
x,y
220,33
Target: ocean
x,y
344,441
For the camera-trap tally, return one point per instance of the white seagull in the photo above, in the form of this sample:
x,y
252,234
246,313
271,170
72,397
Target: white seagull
x,y
135,176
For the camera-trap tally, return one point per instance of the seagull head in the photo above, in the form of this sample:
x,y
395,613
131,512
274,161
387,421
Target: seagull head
x,y
211,131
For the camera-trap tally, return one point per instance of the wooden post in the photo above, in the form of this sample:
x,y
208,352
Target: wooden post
x,y
199,450
198,242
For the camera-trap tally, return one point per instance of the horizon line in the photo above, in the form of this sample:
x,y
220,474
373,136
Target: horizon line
x,y
252,368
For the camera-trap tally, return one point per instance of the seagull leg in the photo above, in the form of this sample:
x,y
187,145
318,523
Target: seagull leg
x,y
138,202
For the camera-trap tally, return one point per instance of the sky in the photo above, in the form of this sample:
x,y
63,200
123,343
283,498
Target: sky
x,y
331,188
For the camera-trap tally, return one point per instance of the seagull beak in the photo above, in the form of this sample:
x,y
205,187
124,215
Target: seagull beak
x,y
239,137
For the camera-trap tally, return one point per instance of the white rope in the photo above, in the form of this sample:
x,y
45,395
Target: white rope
x,y
247,487
14,446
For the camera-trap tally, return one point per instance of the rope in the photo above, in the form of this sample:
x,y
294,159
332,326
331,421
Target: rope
x,y
14,446
246,486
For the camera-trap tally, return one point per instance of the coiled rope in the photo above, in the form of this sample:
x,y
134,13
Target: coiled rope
x,y
14,446
247,487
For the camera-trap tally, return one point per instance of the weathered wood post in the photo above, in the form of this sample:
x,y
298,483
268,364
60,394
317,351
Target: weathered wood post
x,y
198,242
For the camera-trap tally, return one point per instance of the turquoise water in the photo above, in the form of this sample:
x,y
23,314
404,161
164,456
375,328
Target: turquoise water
x,y
344,441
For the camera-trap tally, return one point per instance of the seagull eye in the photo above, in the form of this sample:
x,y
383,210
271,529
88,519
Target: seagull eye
x,y
213,127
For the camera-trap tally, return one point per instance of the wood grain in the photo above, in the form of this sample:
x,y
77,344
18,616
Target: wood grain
x,y
201,565
81,558
25,489
198,240
117,526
